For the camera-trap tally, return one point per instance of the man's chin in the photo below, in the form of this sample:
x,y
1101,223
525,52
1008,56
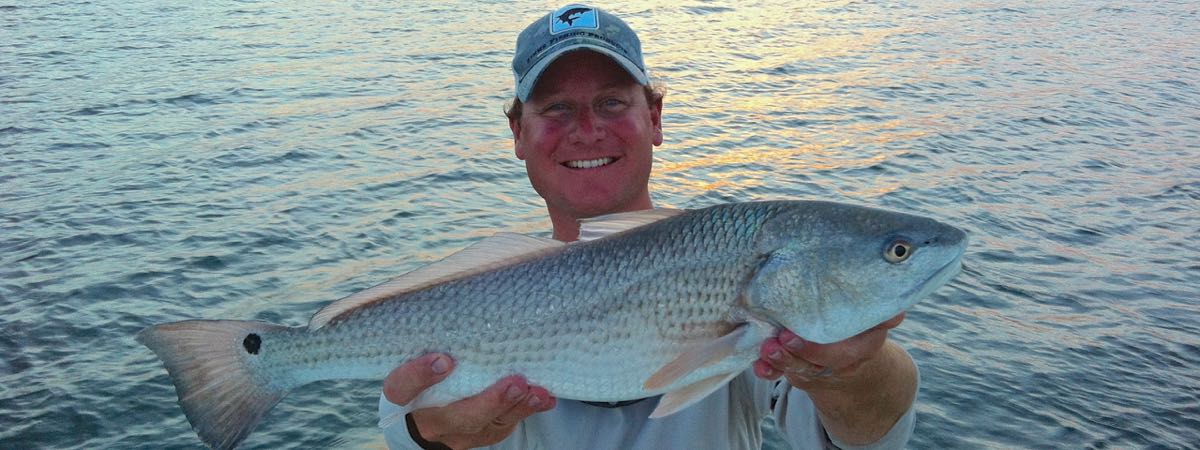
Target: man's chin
x,y
586,208
593,210
583,200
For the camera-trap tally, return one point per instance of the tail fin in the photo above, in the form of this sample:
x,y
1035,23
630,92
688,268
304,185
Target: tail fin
x,y
214,365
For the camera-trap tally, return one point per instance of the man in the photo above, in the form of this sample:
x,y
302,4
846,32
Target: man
x,y
585,121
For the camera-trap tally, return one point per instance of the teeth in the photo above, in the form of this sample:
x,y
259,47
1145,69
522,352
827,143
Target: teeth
x,y
588,163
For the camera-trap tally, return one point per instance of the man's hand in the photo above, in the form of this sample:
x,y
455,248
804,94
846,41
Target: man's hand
x,y
861,386
480,420
809,365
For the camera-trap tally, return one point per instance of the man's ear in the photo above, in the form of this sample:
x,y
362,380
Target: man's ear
x,y
656,120
514,124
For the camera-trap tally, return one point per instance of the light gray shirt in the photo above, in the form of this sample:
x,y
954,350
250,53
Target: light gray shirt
x,y
729,418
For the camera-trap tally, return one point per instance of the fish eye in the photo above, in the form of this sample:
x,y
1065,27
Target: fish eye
x,y
898,251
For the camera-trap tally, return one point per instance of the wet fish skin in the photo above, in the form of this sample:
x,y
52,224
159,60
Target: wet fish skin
x,y
677,306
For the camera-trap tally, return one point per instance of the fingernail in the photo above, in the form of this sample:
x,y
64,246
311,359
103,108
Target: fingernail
x,y
534,401
775,355
794,343
440,365
513,393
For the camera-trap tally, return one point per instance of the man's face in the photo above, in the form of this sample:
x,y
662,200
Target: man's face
x,y
587,136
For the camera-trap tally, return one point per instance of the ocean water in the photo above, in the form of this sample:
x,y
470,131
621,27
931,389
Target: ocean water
x,y
256,160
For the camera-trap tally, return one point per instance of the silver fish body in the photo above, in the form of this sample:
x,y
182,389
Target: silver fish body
x,y
676,305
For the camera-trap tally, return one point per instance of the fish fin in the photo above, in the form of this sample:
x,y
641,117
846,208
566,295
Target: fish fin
x,y
221,390
684,397
695,358
499,250
601,226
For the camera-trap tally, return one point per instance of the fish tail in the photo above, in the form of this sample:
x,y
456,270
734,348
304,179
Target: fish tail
x,y
214,364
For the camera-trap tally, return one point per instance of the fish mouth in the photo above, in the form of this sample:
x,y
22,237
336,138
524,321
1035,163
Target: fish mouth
x,y
936,280
589,163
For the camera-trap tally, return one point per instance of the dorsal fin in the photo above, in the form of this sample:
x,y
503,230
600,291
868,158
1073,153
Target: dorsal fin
x,y
601,226
499,250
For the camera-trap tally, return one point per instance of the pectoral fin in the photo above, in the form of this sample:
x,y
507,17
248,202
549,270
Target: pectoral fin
x,y
677,400
695,358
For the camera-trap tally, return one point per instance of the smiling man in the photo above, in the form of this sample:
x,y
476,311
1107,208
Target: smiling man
x,y
587,134
586,120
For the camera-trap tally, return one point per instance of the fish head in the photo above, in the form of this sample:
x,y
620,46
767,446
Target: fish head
x,y
830,271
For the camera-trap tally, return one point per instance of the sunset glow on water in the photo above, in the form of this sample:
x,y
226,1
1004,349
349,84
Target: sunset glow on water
x,y
258,160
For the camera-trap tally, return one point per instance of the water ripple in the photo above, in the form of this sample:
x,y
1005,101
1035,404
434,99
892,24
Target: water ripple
x,y
251,160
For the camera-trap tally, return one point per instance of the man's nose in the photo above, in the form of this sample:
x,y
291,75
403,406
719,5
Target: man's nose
x,y
588,127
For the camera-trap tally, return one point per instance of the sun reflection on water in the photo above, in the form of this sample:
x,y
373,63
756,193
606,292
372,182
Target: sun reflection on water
x,y
735,71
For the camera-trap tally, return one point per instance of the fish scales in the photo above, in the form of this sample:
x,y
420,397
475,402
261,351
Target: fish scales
x,y
663,301
687,277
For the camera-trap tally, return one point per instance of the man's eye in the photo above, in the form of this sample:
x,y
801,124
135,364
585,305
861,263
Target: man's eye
x,y
613,104
556,110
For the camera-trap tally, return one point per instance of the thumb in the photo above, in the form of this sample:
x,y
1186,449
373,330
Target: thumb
x,y
406,382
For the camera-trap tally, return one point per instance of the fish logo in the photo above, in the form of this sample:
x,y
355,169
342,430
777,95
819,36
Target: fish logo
x,y
569,15
573,17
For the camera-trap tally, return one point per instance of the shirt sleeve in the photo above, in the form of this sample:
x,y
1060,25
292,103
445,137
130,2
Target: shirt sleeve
x,y
897,437
798,422
395,430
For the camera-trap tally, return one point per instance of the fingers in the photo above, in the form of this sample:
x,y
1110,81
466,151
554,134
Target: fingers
x,y
789,354
485,418
479,420
893,322
840,354
776,359
765,370
506,402
535,401
411,378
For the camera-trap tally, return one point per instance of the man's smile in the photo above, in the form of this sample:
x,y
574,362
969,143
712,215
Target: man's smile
x,y
589,163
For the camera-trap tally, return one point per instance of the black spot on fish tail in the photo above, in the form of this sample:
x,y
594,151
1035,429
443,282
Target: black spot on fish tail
x,y
252,343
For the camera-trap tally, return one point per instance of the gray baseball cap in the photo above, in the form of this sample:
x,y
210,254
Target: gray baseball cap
x,y
569,28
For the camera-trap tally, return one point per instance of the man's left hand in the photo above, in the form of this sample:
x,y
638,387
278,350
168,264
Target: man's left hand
x,y
808,365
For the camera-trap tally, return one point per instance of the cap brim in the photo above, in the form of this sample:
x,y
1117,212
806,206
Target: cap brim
x,y
525,87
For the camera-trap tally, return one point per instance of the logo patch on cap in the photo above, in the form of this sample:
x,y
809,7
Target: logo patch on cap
x,y
573,17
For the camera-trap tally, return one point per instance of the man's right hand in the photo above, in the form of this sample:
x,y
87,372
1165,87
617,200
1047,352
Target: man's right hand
x,y
480,420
